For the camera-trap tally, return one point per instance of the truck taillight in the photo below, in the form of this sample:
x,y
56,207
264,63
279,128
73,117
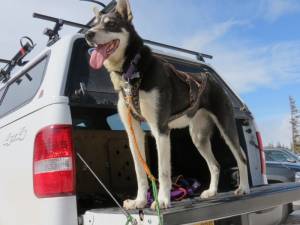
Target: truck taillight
x,y
54,162
262,153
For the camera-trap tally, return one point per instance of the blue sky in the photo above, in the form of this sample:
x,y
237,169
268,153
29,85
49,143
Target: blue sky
x,y
255,44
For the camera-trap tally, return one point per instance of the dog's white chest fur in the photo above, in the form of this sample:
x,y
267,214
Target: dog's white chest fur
x,y
149,105
116,80
148,100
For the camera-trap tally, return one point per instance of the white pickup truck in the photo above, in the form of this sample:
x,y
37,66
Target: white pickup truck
x,y
67,107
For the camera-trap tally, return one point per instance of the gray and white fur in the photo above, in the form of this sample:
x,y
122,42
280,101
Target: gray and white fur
x,y
162,95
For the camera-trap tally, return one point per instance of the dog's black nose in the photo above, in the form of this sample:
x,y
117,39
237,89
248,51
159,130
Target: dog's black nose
x,y
89,35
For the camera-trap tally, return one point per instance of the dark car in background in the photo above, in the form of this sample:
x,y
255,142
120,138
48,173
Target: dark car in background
x,y
282,155
282,165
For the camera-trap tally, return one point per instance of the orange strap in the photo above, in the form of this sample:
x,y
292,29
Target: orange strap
x,y
136,146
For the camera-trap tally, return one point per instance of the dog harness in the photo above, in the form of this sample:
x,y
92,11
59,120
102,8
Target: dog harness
x,y
196,88
131,89
132,80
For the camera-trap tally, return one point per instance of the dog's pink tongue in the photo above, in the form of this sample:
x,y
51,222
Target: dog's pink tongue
x,y
98,57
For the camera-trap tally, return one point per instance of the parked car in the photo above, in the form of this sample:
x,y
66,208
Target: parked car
x,y
279,172
282,165
298,155
67,108
281,155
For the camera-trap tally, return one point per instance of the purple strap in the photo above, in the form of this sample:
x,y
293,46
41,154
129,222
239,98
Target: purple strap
x,y
132,70
184,188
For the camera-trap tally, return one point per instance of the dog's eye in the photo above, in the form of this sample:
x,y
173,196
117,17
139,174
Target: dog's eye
x,y
111,24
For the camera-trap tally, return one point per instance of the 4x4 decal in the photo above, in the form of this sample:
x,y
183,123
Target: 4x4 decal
x,y
14,137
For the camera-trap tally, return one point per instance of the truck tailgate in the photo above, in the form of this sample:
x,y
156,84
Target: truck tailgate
x,y
196,210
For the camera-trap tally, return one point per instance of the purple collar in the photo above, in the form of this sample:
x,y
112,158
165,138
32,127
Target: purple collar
x,y
132,71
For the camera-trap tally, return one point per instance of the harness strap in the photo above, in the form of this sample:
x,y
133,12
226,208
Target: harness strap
x,y
131,89
195,86
132,92
132,71
133,81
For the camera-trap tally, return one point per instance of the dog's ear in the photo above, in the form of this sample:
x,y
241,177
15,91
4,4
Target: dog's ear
x,y
123,7
96,12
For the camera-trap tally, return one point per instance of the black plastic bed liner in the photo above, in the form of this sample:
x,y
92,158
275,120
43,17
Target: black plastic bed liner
x,y
224,205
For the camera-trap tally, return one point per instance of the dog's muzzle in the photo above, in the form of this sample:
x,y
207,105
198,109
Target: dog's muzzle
x,y
90,35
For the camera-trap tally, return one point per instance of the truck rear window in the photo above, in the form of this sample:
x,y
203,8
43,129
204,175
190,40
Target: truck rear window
x,y
22,89
87,86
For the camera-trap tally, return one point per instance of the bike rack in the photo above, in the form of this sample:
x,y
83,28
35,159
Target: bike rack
x,y
17,60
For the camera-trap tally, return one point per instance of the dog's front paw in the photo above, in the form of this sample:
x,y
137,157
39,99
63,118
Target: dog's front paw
x,y
242,190
208,194
134,204
164,203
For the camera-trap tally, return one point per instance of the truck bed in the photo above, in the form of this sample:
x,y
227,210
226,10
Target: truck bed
x,y
196,210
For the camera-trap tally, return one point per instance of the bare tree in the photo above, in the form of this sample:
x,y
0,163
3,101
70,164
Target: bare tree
x,y
295,122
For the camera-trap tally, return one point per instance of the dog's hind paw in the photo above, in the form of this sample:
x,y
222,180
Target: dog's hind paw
x,y
134,204
242,191
163,204
208,194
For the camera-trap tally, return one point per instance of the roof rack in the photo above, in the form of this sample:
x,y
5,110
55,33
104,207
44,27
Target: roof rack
x,y
54,36
5,61
94,1
199,56
57,20
110,6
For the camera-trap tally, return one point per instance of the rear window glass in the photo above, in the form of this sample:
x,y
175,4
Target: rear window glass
x,y
115,123
23,89
94,87
86,85
277,156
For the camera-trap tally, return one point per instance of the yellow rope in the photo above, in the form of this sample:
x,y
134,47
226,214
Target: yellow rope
x,y
142,161
136,146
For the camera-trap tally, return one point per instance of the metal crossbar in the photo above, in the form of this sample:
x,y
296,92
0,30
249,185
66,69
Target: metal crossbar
x,y
199,55
4,61
84,27
57,20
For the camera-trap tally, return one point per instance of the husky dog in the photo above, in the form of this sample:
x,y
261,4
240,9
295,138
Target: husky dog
x,y
161,94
